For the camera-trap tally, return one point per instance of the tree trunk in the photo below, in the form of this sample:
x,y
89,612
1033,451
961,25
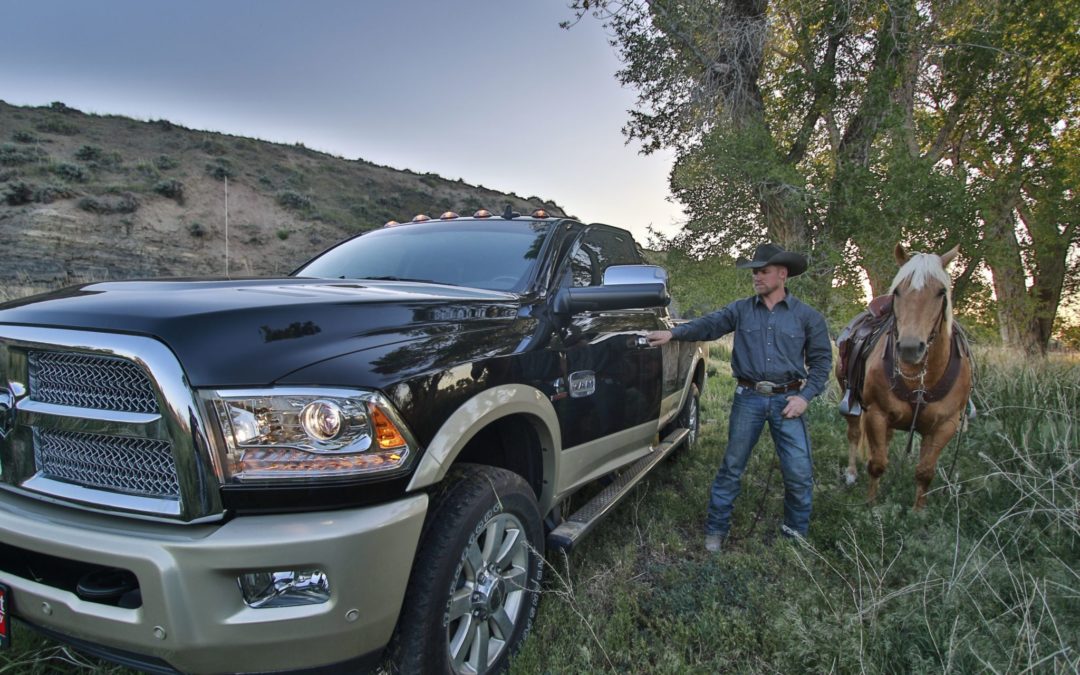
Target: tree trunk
x,y
1015,308
853,180
1051,252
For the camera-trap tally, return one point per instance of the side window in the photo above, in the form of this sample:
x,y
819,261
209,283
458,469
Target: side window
x,y
583,270
599,250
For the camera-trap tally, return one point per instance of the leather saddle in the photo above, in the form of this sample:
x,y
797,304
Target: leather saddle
x,y
854,343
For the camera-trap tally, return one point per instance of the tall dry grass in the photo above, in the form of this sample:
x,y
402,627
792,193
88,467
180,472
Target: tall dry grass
x,y
985,579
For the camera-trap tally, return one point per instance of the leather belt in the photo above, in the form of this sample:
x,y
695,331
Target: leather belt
x,y
766,387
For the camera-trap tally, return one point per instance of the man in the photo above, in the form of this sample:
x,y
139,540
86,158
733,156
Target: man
x,y
781,358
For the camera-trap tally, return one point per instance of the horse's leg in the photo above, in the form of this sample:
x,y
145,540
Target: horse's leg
x,y
855,439
876,427
929,452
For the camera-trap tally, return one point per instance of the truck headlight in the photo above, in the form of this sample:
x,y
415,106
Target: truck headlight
x,y
304,434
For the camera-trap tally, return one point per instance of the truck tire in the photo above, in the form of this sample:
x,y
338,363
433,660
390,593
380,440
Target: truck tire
x,y
690,417
475,583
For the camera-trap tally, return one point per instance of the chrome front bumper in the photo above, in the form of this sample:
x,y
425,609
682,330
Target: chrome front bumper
x,y
193,616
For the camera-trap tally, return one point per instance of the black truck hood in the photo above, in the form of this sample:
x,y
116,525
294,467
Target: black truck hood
x,y
257,331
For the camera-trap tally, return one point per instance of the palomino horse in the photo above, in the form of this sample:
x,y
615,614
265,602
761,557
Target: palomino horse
x,y
917,376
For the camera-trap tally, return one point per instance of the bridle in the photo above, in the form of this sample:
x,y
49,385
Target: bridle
x,y
895,338
919,392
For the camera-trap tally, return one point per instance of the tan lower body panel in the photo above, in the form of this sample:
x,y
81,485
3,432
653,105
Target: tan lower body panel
x,y
193,615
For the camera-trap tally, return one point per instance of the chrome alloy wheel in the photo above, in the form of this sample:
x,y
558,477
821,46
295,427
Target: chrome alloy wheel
x,y
692,421
489,598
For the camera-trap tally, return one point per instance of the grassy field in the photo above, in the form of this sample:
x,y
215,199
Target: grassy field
x,y
986,579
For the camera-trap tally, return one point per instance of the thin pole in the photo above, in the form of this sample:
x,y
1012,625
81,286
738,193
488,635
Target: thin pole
x,y
226,227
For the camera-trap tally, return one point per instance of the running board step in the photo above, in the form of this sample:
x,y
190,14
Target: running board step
x,y
570,531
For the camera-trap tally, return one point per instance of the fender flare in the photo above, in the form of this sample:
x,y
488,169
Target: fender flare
x,y
477,413
698,361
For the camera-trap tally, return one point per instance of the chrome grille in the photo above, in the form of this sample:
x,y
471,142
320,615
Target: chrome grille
x,y
90,381
137,466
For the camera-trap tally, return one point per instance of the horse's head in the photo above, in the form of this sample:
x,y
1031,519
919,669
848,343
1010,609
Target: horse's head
x,y
922,301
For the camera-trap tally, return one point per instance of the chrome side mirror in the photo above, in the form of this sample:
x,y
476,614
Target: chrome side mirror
x,y
618,275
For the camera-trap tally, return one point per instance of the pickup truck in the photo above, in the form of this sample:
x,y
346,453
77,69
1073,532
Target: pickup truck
x,y
361,463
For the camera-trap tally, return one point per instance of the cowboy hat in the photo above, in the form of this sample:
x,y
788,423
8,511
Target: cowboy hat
x,y
771,254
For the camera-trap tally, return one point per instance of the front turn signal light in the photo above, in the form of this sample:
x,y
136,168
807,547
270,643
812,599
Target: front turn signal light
x,y
386,434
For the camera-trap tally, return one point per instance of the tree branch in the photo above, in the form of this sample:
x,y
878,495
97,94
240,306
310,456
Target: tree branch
x,y
824,87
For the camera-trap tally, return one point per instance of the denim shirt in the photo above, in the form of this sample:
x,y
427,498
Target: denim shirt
x,y
788,342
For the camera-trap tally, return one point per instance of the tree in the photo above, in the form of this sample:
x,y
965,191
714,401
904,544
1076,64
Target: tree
x,y
1018,65
839,127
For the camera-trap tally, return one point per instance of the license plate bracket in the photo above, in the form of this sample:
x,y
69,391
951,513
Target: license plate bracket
x,y
5,617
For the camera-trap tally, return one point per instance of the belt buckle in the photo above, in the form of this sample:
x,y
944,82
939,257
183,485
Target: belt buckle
x,y
764,387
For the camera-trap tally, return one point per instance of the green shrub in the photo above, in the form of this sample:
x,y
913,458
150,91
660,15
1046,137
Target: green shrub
x,y
59,127
21,136
17,194
283,234
360,210
173,189
89,153
196,230
148,171
220,169
47,194
12,155
108,204
165,162
213,147
295,201
72,172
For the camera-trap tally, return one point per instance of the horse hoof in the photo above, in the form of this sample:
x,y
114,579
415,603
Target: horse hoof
x,y
849,478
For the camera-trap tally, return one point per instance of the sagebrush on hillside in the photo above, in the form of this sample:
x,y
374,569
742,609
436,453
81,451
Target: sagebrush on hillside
x,y
106,197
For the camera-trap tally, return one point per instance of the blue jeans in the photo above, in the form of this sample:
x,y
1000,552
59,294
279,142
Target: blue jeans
x,y
749,413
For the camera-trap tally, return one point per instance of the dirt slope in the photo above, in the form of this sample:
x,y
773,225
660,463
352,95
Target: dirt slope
x,y
88,197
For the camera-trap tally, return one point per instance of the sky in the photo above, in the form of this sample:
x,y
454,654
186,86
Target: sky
x,y
493,92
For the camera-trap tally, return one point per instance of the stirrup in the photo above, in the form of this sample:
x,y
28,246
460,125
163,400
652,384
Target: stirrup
x,y
849,405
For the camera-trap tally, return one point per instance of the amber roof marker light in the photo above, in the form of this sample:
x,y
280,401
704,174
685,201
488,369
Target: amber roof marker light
x,y
448,215
540,213
482,213
420,218
391,223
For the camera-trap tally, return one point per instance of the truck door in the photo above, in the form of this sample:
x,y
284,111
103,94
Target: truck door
x,y
611,380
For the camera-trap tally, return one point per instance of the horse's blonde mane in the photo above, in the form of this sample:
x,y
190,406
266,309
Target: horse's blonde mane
x,y
920,268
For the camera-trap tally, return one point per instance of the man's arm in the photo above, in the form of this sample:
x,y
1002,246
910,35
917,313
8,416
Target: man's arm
x,y
818,365
818,356
708,327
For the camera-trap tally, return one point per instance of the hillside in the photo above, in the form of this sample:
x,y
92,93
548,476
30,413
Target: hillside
x,y
88,197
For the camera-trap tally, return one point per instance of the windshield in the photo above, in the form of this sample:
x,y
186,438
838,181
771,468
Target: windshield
x,y
496,255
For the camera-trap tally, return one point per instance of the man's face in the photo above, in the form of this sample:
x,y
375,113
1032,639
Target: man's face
x,y
769,278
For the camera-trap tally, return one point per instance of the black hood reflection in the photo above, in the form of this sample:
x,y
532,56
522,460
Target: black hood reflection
x,y
255,332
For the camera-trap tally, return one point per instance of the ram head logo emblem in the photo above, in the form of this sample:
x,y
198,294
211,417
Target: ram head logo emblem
x,y
7,411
